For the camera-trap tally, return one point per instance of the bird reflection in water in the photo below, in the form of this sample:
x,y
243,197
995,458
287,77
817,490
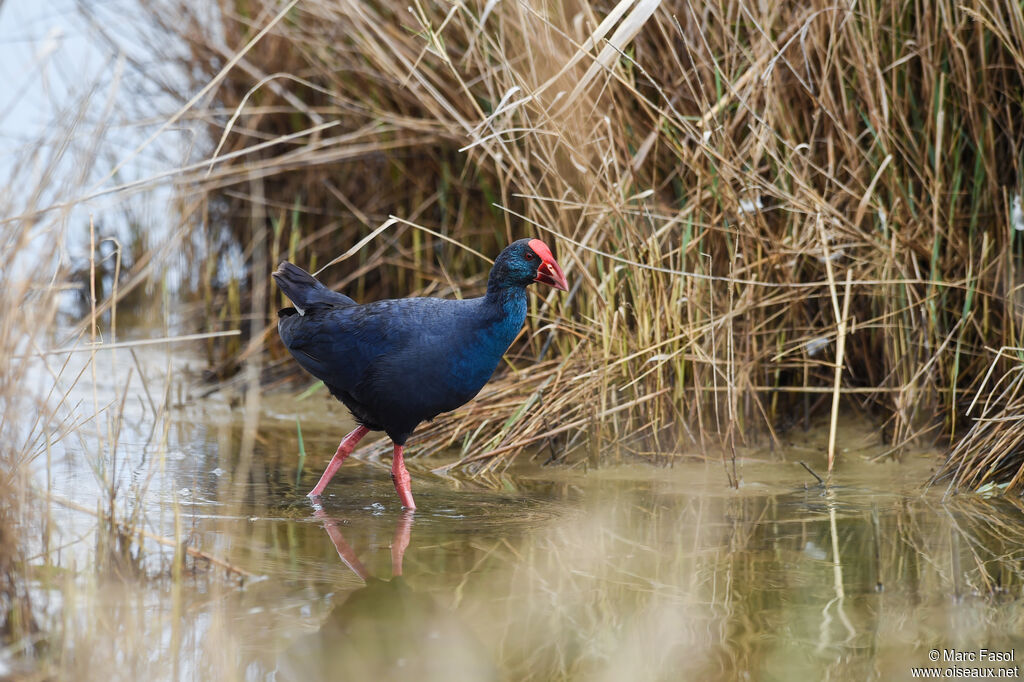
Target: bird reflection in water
x,y
385,630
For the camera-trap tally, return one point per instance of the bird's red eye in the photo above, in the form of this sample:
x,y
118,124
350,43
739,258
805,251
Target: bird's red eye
x,y
529,255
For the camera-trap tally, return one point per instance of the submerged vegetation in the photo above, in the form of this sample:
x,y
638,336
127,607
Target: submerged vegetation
x,y
743,195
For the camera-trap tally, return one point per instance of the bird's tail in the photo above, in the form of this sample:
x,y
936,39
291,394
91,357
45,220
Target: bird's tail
x,y
303,289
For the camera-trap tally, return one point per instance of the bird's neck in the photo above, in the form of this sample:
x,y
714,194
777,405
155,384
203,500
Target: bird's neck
x,y
506,300
484,337
504,313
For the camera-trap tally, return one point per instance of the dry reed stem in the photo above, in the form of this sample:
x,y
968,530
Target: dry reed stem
x,y
841,320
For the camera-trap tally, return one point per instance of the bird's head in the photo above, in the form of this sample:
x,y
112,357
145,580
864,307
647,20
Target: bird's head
x,y
524,262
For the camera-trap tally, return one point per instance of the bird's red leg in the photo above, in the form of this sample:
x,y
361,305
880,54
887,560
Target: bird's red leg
x,y
400,542
348,444
402,479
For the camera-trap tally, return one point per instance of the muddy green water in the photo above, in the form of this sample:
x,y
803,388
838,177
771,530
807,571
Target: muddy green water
x,y
628,572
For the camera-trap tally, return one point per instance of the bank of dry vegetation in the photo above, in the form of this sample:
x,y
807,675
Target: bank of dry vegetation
x,y
717,180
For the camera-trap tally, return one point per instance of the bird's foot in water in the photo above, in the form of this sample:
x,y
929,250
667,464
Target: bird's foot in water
x,y
403,486
402,480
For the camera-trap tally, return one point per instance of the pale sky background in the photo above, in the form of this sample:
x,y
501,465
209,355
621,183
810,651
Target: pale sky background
x,y
56,65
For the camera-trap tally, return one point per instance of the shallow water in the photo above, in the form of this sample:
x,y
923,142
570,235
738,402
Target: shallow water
x,y
625,572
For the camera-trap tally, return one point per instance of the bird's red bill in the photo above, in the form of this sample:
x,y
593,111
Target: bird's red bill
x,y
548,272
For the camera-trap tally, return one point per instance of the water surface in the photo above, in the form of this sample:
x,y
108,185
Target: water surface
x,y
628,571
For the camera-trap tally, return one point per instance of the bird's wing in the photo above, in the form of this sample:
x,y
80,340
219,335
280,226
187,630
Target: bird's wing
x,y
438,361
339,345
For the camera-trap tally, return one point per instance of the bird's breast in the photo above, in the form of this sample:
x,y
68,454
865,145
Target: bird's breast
x,y
475,360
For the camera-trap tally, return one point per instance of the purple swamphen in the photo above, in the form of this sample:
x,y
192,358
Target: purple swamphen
x,y
399,362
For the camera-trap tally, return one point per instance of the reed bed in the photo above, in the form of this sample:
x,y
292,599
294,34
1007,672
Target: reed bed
x,y
989,458
736,191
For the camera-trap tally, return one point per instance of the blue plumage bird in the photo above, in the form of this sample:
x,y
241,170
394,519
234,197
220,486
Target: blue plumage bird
x,y
396,363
